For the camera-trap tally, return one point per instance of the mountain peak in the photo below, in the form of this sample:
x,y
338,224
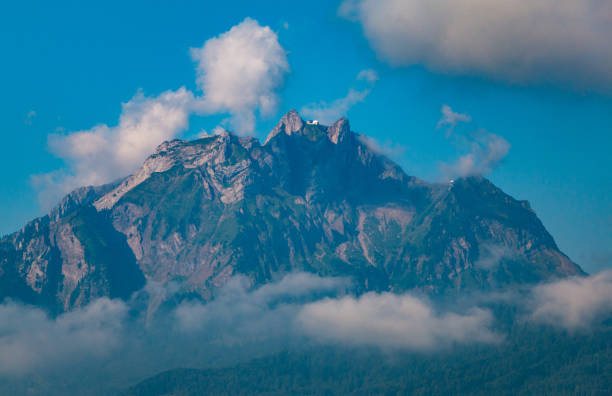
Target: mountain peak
x,y
292,124
339,130
289,124
292,120
315,198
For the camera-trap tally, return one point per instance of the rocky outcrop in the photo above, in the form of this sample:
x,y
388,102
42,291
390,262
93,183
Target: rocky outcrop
x,y
289,124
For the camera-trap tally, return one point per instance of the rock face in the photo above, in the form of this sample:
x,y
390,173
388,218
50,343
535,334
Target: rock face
x,y
68,257
312,198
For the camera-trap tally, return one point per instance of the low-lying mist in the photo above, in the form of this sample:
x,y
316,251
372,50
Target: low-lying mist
x,y
110,344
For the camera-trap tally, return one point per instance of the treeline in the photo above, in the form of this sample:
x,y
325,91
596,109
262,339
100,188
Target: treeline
x,y
534,361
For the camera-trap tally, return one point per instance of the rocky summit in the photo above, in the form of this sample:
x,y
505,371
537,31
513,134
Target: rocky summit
x,y
312,198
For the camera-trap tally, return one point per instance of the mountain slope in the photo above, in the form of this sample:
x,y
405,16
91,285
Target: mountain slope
x,y
533,361
312,198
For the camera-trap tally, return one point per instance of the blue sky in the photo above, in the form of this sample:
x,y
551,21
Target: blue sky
x,y
68,67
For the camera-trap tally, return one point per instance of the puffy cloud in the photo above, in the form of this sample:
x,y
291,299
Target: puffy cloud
x,y
239,72
298,285
487,150
573,303
450,119
137,342
104,153
390,320
108,343
29,339
539,41
238,312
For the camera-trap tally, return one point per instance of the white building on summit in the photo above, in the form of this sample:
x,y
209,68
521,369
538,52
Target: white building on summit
x,y
312,122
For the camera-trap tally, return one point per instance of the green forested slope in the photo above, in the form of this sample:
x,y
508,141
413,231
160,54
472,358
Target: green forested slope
x,y
534,361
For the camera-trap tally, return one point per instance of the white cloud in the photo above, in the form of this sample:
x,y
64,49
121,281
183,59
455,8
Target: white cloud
x,y
124,342
239,312
240,71
487,150
113,340
539,41
245,321
450,119
140,343
390,320
298,284
368,75
330,112
29,339
104,153
573,303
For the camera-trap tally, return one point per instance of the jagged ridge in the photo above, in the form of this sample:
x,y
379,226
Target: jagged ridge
x,y
311,198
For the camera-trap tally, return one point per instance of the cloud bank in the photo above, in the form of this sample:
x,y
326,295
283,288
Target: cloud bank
x,y
241,319
390,320
110,344
239,313
574,303
540,41
117,339
30,340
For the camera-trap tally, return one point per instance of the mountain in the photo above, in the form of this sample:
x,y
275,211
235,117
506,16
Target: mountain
x,y
311,198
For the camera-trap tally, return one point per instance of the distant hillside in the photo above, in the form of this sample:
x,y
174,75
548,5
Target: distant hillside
x,y
534,361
